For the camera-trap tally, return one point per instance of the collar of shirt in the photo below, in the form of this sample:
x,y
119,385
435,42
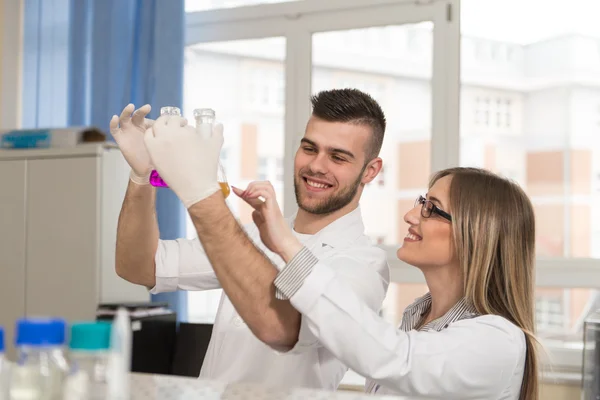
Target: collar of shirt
x,y
413,314
342,231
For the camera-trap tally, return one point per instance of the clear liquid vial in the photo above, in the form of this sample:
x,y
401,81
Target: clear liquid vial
x,y
155,179
205,118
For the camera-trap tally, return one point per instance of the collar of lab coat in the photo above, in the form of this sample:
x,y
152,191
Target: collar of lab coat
x,y
413,314
342,231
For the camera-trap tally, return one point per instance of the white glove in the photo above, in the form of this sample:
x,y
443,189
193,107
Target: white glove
x,y
128,131
187,161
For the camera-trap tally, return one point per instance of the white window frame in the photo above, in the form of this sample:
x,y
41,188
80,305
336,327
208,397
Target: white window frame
x,y
297,21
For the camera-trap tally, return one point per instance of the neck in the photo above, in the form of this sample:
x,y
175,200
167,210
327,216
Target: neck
x,y
446,288
309,223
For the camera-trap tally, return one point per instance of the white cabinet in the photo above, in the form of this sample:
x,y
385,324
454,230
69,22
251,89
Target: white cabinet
x,y
58,218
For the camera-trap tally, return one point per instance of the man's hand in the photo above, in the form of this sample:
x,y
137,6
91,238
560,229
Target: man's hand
x,y
274,230
188,161
128,131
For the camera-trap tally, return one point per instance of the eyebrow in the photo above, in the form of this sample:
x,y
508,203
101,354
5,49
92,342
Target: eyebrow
x,y
436,200
329,149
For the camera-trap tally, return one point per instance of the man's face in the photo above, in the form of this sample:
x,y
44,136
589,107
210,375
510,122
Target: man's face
x,y
329,165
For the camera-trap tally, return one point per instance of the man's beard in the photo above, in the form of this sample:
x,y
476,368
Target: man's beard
x,y
333,203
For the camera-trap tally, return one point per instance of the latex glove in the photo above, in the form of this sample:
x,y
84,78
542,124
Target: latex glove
x,y
187,161
275,231
128,131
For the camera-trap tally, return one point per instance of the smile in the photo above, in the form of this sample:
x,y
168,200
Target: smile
x,y
412,238
316,185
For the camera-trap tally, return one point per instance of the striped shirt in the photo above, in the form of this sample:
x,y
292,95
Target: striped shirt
x,y
418,310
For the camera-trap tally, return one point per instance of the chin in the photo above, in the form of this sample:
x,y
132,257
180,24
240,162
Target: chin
x,y
405,255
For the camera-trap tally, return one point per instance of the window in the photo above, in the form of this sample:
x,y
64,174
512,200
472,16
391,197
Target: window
x,y
532,116
406,149
544,138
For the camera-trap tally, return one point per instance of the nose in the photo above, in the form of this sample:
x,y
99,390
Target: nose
x,y
318,164
413,217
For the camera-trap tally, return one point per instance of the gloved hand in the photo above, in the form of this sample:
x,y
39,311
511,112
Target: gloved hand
x,y
186,160
128,131
274,230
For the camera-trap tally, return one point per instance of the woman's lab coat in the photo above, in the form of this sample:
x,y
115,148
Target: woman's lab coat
x,y
474,358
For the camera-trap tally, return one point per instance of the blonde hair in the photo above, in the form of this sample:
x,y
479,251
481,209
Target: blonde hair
x,y
494,236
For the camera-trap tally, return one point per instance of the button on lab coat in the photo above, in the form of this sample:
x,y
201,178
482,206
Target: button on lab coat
x,y
476,358
234,353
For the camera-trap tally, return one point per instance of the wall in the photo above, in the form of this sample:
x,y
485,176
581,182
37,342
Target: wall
x,y
560,392
10,62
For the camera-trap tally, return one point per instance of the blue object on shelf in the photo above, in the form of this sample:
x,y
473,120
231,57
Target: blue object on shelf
x,y
26,139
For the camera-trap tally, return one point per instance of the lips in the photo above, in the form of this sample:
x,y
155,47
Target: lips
x,y
412,236
315,184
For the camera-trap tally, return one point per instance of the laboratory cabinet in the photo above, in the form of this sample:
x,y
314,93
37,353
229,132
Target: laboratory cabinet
x,y
59,209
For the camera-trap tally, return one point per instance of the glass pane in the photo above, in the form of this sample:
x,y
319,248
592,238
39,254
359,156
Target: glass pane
x,y
392,64
561,312
244,82
203,5
530,110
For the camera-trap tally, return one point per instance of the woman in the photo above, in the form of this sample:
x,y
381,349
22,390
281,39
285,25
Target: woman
x,y
472,335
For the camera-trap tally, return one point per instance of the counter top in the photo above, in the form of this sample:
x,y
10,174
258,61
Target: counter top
x,y
166,387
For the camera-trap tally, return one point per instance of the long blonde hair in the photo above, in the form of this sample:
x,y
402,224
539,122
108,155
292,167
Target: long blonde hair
x,y
494,235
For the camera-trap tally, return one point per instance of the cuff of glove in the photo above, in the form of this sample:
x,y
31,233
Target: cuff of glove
x,y
198,198
139,180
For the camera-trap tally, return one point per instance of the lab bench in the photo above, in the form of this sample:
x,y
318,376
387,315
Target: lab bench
x,y
166,387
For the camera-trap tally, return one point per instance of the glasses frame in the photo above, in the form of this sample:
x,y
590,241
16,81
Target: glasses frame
x,y
428,208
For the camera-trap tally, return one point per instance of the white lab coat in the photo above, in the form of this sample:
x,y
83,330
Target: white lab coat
x,y
474,358
234,353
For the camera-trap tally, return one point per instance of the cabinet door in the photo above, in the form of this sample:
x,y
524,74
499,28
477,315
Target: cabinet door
x,y
12,246
63,237
115,178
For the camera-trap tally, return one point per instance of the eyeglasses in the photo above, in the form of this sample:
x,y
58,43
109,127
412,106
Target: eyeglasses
x,y
428,208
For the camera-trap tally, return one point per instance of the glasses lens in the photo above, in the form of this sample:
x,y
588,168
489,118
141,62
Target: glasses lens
x,y
427,209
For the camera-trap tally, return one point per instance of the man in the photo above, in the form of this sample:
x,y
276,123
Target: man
x,y
338,156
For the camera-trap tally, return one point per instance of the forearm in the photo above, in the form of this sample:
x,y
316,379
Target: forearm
x,y
137,236
245,273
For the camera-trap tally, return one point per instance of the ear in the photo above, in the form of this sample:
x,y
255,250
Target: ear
x,y
372,169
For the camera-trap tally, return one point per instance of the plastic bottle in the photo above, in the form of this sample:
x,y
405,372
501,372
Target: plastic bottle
x,y
119,364
41,366
4,369
88,354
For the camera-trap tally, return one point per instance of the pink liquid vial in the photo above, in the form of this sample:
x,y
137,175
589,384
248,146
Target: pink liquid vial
x,y
155,179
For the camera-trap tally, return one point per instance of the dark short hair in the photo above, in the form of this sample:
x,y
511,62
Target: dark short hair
x,y
353,106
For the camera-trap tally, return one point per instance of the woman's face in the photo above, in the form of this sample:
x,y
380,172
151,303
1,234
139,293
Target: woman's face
x,y
428,242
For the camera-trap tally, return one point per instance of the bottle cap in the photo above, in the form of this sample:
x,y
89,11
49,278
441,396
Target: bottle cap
x,y
90,336
40,332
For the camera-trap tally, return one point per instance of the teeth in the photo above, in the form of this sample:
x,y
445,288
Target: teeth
x,y
316,185
413,237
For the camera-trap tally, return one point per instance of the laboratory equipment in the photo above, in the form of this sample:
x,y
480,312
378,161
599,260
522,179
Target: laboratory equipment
x,y
591,357
4,369
41,366
119,361
88,355
155,179
205,118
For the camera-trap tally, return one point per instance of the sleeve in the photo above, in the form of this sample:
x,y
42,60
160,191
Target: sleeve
x,y
182,264
471,359
368,279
